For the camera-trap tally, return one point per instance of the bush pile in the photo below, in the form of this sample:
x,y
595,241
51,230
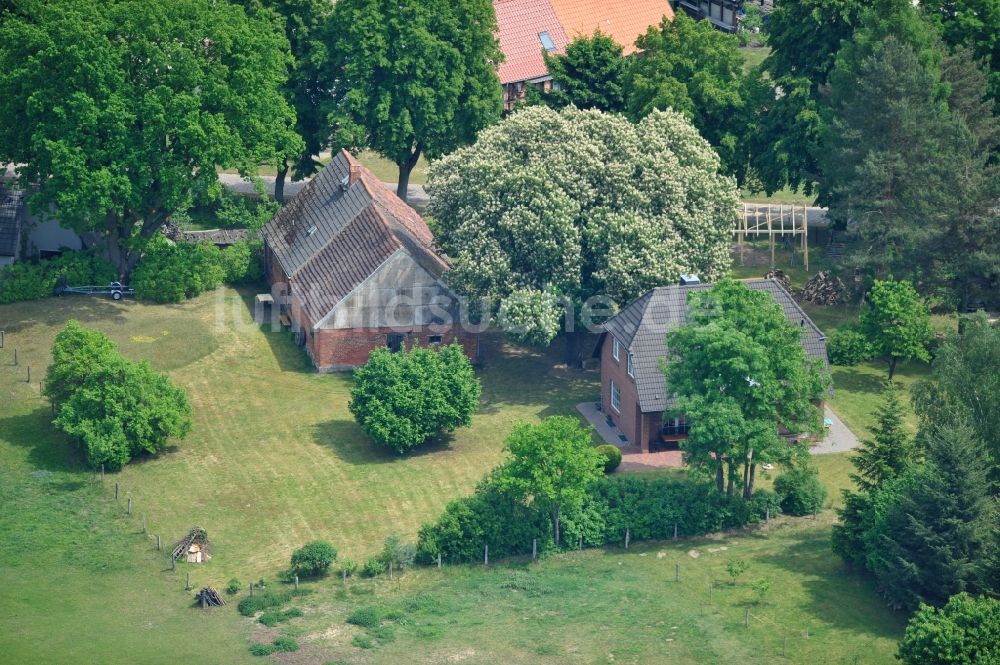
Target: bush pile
x,y
648,507
31,281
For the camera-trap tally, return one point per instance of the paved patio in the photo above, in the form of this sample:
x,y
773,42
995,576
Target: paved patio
x,y
838,439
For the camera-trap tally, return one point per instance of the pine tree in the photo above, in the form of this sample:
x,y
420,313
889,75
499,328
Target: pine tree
x,y
941,533
891,449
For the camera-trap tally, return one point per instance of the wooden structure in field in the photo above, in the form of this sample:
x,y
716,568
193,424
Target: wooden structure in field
x,y
772,221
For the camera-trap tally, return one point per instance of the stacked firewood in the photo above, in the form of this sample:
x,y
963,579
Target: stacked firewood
x,y
210,597
824,288
779,275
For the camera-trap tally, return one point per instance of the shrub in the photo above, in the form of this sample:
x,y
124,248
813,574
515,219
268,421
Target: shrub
x,y
736,567
374,566
285,645
966,630
365,617
170,272
400,554
800,490
234,587
348,566
258,649
313,559
262,600
32,281
270,618
848,346
243,262
363,642
403,399
612,456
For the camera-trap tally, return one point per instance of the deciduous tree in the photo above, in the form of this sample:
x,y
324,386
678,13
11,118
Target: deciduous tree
x,y
973,24
966,631
412,77
551,464
570,203
696,70
590,75
403,399
896,322
739,372
122,111
77,353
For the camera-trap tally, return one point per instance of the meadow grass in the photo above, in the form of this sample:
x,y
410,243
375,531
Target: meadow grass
x,y
613,606
275,460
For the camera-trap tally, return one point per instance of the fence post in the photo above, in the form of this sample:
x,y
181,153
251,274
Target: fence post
x,y
675,530
343,574
628,535
815,510
173,562
297,582
677,572
29,374
187,582
486,555
767,515
116,490
130,505
439,561
581,543
15,357
1,339
102,473
534,548
157,542
251,589
746,618
711,593
390,570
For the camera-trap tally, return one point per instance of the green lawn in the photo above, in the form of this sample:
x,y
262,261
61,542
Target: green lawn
x,y
612,606
275,460
387,171
754,55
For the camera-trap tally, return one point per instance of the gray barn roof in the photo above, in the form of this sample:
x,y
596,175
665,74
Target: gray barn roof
x,y
642,326
339,229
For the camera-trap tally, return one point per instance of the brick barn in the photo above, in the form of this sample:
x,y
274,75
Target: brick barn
x,y
353,268
634,394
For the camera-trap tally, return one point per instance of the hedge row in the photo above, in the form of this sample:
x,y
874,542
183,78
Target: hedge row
x,y
172,272
31,281
647,507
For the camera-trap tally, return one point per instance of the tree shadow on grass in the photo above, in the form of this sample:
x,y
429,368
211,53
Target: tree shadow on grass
x,y
349,443
48,448
57,310
832,593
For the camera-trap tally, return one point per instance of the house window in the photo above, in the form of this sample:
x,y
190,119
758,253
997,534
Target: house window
x,y
394,342
615,348
434,340
616,397
631,366
546,41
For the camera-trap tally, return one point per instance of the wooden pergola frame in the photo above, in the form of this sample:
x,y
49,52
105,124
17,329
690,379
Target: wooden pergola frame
x,y
763,220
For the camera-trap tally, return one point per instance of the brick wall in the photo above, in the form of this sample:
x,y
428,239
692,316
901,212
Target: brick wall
x,y
628,418
343,349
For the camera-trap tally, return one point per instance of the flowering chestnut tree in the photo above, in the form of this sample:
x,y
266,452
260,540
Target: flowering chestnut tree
x,y
554,204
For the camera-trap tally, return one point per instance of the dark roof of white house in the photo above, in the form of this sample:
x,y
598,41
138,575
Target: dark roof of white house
x,y
642,326
339,229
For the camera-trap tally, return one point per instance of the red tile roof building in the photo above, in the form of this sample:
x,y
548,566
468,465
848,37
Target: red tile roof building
x,y
527,27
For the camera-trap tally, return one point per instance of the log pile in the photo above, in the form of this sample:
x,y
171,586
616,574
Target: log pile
x,y
779,275
824,288
196,535
210,597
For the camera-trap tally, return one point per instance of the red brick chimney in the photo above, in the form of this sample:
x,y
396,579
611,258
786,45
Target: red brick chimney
x,y
355,173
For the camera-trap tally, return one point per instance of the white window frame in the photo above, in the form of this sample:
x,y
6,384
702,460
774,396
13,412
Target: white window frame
x,y
631,366
616,404
615,348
